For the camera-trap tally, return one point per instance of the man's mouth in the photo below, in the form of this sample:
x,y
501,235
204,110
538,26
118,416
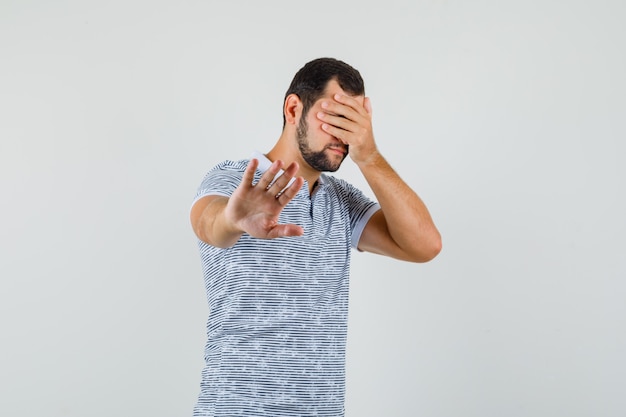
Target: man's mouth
x,y
339,149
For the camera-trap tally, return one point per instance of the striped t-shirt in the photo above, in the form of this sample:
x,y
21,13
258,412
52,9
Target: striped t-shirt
x,y
276,333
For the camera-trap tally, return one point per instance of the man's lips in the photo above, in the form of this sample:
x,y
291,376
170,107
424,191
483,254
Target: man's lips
x,y
339,149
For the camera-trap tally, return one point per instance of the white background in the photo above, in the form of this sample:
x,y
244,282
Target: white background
x,y
507,117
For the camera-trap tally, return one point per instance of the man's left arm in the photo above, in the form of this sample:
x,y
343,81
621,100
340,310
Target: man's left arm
x,y
403,228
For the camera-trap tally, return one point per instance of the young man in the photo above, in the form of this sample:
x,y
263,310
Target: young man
x,y
275,236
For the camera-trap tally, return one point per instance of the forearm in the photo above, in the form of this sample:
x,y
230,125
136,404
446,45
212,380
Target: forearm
x,y
408,220
211,225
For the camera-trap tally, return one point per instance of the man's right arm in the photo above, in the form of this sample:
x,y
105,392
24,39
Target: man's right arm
x,y
209,223
252,208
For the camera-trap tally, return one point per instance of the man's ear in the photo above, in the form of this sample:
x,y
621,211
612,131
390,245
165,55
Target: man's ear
x,y
292,108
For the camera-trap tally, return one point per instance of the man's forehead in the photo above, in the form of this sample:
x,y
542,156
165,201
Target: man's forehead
x,y
333,88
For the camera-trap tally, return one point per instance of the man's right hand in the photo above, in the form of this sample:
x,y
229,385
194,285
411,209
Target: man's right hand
x,y
254,209
251,209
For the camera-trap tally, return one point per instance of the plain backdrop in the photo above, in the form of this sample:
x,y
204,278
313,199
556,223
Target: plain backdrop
x,y
507,117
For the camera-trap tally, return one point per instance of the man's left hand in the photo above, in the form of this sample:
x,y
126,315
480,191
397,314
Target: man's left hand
x,y
348,120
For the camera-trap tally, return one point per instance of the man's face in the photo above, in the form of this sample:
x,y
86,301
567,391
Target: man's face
x,y
328,158
320,150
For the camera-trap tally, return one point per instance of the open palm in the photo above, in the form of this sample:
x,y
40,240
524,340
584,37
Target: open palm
x,y
255,208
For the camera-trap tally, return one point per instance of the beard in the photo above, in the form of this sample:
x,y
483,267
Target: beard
x,y
318,160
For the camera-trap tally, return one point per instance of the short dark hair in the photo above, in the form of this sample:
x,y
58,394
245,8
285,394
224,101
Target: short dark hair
x,y
311,80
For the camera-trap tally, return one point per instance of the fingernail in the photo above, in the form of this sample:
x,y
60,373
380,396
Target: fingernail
x,y
324,104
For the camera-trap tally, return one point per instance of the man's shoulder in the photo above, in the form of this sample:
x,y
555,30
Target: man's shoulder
x,y
231,165
222,178
335,183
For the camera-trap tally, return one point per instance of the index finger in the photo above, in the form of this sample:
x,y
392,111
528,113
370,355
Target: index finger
x,y
248,174
346,107
351,102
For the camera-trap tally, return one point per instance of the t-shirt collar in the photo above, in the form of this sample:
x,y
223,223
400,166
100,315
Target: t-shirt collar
x,y
265,163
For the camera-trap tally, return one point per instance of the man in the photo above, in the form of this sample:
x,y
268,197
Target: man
x,y
275,236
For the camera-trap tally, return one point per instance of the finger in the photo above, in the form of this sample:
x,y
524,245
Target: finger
x,y
337,121
268,176
248,174
341,134
285,230
283,180
334,108
290,192
350,102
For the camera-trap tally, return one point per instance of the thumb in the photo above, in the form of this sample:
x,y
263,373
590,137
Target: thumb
x,y
285,230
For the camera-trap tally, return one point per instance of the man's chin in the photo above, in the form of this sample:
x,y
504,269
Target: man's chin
x,y
334,167
334,161
326,161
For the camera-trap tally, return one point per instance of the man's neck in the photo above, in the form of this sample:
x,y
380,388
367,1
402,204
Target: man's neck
x,y
289,155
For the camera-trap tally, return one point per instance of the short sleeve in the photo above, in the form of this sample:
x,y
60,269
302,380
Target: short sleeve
x,y
360,207
222,179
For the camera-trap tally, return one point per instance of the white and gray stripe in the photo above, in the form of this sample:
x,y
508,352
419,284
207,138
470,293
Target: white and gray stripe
x,y
276,333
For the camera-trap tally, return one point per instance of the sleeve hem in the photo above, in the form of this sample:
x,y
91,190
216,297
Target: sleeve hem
x,y
208,193
358,229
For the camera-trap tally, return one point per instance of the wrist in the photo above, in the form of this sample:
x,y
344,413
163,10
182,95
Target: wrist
x,y
373,159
